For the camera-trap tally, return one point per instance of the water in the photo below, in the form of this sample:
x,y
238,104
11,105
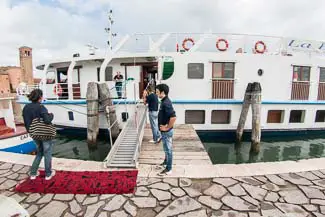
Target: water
x,y
276,149
75,147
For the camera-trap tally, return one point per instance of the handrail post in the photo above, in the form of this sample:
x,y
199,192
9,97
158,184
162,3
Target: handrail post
x,y
109,126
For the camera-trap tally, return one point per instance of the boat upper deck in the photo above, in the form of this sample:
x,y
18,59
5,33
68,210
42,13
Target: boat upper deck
x,y
141,45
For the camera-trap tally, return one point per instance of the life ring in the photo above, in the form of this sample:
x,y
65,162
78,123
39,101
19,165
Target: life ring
x,y
218,44
186,40
57,90
258,50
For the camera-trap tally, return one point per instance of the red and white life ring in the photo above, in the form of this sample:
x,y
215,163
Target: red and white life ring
x,y
57,89
221,40
260,51
187,40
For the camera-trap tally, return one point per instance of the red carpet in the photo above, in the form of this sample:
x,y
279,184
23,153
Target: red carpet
x,y
64,182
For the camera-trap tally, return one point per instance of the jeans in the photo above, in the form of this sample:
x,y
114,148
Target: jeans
x,y
44,148
119,90
153,118
167,140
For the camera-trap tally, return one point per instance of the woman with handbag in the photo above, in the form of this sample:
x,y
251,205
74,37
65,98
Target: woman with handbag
x,y
38,124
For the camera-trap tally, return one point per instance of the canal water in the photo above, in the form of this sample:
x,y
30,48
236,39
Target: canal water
x,y
272,149
75,147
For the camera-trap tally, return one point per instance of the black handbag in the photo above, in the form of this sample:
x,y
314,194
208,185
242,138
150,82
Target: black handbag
x,y
39,130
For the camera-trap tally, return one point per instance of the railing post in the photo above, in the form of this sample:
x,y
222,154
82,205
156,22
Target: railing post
x,y
109,126
70,71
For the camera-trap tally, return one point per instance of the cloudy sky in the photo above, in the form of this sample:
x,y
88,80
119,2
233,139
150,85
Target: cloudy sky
x,y
58,28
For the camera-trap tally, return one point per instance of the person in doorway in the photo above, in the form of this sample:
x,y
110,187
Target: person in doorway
x,y
44,148
166,121
151,99
118,78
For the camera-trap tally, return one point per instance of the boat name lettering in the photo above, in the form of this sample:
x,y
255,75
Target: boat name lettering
x,y
25,136
298,44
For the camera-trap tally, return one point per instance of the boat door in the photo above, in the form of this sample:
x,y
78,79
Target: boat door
x,y
147,74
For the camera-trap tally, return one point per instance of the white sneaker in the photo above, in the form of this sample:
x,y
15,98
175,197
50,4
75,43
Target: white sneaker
x,y
47,178
152,141
158,141
34,177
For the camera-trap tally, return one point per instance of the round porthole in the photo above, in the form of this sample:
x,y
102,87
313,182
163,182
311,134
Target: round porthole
x,y
260,72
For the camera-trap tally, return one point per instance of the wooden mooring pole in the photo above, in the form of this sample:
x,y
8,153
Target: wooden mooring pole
x,y
92,114
243,114
256,117
110,112
252,97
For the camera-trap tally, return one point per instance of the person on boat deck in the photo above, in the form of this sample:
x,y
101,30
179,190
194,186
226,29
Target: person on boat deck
x,y
44,148
166,120
118,78
151,99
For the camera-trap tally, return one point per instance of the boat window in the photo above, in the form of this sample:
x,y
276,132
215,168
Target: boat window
x,y
223,70
98,73
297,116
194,116
275,116
109,73
220,116
320,116
70,114
322,75
195,70
301,73
50,77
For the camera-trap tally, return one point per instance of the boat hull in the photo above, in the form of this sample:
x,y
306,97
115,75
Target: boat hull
x,y
22,144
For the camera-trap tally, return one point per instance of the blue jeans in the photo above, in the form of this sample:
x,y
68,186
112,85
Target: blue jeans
x,y
167,140
119,90
153,118
44,148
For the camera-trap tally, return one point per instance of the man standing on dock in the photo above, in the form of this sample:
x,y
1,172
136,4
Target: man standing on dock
x,y
166,120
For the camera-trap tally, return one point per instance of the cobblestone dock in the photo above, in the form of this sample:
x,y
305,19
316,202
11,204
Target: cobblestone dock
x,y
294,194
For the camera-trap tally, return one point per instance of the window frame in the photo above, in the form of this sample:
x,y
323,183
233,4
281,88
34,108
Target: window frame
x,y
281,119
320,70
223,71
188,75
303,116
229,115
201,110
316,116
106,69
300,72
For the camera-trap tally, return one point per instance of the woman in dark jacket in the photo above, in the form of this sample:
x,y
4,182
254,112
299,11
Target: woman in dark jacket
x,y
44,148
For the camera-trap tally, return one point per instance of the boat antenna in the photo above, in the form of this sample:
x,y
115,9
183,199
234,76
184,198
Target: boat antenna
x,y
109,30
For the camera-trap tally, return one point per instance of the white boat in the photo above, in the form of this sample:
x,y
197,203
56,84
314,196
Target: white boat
x,y
207,75
13,138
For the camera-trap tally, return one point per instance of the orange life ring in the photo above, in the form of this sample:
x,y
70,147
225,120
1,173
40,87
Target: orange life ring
x,y
186,40
218,44
258,50
57,90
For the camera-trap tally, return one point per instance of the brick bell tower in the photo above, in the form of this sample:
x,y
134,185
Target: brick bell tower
x,y
26,64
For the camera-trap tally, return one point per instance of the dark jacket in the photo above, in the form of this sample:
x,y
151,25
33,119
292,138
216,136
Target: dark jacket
x,y
166,111
152,101
35,110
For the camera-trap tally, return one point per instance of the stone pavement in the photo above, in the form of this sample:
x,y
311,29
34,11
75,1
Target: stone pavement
x,y
294,194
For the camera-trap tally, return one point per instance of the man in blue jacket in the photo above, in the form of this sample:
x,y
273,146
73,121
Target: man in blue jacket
x,y
166,121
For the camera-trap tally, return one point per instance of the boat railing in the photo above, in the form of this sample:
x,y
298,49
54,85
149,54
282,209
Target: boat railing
x,y
217,42
300,90
24,89
61,91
